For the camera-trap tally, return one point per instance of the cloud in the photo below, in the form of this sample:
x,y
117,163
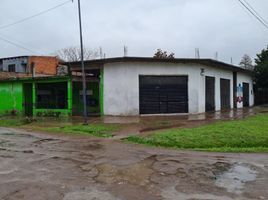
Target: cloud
x,y
144,26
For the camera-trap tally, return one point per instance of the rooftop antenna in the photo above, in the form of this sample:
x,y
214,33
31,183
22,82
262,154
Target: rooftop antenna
x,y
125,51
216,55
101,53
197,54
231,60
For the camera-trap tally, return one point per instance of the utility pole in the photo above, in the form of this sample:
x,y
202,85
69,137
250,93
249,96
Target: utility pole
x,y
83,66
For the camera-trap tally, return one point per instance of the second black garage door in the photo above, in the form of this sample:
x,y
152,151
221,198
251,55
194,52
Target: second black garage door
x,y
163,94
225,94
245,95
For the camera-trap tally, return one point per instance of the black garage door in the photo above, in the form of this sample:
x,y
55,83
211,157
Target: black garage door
x,y
210,93
245,95
225,94
163,94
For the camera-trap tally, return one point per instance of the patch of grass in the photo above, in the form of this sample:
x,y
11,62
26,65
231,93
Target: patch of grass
x,y
248,135
93,129
98,130
12,122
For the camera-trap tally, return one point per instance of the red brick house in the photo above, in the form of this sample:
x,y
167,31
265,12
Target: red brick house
x,y
29,65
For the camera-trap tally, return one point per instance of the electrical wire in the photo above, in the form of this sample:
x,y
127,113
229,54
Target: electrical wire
x,y
252,12
35,15
4,38
255,12
17,45
17,41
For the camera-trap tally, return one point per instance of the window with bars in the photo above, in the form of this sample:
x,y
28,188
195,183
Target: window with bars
x,y
12,68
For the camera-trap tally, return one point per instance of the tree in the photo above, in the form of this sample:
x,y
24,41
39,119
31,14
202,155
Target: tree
x,y
246,62
261,69
73,53
163,54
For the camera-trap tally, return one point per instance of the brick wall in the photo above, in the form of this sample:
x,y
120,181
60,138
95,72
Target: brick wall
x,y
44,64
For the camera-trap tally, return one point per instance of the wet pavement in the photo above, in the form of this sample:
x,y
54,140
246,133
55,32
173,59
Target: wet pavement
x,y
49,167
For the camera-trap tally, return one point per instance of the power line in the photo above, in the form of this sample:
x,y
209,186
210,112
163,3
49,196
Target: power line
x,y
17,45
252,12
17,41
35,15
256,12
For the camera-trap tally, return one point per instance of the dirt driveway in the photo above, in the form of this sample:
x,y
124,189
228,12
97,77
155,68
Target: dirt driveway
x,y
43,167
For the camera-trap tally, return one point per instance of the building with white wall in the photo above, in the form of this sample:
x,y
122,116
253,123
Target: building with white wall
x,y
131,86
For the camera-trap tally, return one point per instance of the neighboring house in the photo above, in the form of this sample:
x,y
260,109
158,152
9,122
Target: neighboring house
x,y
45,65
132,86
36,96
18,78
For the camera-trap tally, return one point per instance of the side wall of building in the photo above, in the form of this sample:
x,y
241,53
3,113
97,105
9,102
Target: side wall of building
x,y
11,95
121,85
218,74
20,64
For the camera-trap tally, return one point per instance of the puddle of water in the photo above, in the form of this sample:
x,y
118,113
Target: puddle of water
x,y
172,193
136,174
235,179
197,117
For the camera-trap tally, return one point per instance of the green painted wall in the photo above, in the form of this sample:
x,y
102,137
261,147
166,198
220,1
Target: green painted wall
x,y
53,112
11,98
28,99
78,99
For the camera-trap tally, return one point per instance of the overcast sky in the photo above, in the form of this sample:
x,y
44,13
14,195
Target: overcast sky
x,y
177,26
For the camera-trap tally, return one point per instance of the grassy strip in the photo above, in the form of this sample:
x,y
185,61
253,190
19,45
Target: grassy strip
x,y
95,129
248,135
98,130
12,122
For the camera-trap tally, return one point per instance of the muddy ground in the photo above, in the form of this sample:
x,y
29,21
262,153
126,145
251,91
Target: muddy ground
x,y
50,167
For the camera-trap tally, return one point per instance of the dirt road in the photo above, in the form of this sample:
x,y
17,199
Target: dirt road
x,y
43,167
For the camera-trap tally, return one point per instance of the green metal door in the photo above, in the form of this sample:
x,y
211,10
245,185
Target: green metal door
x,y
28,99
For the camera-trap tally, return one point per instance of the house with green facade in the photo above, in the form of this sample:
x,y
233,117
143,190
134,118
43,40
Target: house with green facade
x,y
56,96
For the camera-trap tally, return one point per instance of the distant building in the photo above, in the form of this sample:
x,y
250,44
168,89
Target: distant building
x,y
34,65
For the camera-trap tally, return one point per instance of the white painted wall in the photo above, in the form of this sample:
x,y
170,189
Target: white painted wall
x,y
121,85
218,74
245,78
